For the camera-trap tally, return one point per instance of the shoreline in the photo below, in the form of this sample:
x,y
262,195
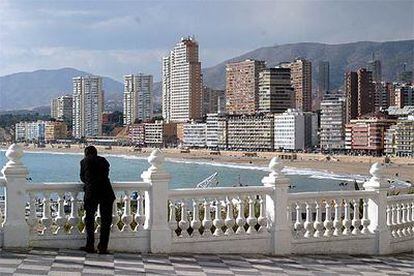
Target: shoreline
x,y
401,168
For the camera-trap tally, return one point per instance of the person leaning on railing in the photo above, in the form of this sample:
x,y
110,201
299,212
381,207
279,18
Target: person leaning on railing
x,y
94,173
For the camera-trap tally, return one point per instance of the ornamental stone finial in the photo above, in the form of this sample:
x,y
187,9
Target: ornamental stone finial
x,y
14,153
275,166
375,181
156,159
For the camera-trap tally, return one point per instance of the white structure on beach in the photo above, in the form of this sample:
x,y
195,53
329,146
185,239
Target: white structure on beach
x,y
264,219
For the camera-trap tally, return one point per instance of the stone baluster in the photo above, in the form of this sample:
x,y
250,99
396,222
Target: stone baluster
x,y
207,222
262,219
318,225
115,217
337,223
276,208
127,216
356,222
83,218
403,220
308,222
98,220
173,219
377,205
195,222
240,220
365,221
409,220
156,203
1,218
46,218
183,223
60,219
251,219
412,217
139,216
15,228
229,221
398,220
346,222
394,221
73,219
298,226
328,224
218,220
32,220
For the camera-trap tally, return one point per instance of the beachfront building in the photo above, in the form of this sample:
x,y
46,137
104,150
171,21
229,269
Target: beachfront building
x,y
160,134
55,130
276,93
367,134
290,130
332,126
301,76
242,86
136,134
214,100
20,131
182,83
87,106
399,138
216,133
250,132
194,135
62,109
137,98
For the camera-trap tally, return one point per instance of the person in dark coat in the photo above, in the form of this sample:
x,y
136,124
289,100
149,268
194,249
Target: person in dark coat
x,y
94,173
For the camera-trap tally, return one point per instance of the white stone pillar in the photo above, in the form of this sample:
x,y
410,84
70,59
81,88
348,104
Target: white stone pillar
x,y
377,209
16,230
156,204
276,208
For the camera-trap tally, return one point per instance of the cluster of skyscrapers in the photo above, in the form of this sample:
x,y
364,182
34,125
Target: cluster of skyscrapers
x,y
261,108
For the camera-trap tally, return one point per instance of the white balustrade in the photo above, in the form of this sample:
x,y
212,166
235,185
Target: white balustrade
x,y
148,216
219,206
400,216
330,214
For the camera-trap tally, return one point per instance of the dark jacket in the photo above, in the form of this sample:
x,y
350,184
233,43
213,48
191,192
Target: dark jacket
x,y
94,173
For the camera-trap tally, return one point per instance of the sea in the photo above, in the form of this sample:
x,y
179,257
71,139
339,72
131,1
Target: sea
x,y
64,167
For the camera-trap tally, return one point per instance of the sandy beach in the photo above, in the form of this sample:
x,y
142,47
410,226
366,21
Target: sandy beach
x,y
338,164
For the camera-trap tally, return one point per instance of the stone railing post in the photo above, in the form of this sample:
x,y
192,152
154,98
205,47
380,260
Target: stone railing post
x,y
16,230
377,209
276,208
156,203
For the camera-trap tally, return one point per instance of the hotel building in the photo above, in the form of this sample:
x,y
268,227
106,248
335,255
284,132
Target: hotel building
x,y
195,135
87,106
137,98
399,138
404,95
332,128
182,83
55,130
61,108
276,93
242,86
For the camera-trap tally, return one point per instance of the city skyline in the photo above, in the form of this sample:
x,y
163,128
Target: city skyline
x,y
31,32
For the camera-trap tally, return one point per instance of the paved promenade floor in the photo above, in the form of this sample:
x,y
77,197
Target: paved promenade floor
x,y
72,262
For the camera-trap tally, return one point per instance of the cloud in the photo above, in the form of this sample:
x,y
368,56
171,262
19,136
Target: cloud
x,y
117,37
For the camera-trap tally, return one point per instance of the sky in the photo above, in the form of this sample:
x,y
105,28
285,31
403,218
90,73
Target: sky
x,y
115,38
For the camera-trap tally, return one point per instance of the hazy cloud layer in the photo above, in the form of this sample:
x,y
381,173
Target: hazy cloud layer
x,y
119,37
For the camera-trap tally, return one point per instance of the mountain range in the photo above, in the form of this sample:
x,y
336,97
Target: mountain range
x,y
31,89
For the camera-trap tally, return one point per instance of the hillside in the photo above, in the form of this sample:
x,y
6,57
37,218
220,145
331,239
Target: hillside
x,y
26,90
341,57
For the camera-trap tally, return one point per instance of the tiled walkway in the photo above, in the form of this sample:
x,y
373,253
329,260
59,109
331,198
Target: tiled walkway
x,y
72,262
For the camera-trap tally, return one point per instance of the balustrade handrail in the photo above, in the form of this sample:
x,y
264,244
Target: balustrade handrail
x,y
400,197
330,194
77,186
215,191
